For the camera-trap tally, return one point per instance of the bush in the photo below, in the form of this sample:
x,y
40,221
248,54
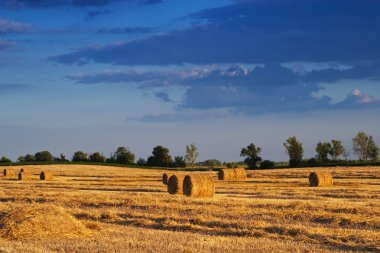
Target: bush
x,y
266,164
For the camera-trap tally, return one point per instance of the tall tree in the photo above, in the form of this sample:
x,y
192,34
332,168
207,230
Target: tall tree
x,y
251,152
337,149
295,151
124,155
160,157
365,147
191,154
323,149
97,157
80,156
43,156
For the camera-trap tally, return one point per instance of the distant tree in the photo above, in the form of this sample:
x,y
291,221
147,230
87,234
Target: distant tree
x,y
251,152
28,158
211,163
97,157
5,159
295,151
337,149
124,156
323,149
160,157
61,158
191,154
266,164
179,161
80,156
365,147
43,156
141,162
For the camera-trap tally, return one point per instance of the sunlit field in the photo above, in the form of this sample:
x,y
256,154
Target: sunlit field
x,y
129,210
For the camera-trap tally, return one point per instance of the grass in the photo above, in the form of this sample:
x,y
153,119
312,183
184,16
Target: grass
x,y
129,210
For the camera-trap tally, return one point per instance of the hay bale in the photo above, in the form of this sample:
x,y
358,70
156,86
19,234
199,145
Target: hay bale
x,y
32,220
24,176
320,179
46,175
175,184
8,173
165,177
232,174
198,185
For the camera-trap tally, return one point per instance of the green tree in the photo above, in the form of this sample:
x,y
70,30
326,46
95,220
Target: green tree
x,y
323,149
191,154
211,163
97,157
141,162
5,159
43,156
251,152
28,158
337,149
80,156
179,161
295,151
160,157
365,147
124,156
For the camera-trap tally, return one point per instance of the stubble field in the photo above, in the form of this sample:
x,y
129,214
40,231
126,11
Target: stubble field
x,y
129,210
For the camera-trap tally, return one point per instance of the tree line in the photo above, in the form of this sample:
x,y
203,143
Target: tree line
x,y
363,146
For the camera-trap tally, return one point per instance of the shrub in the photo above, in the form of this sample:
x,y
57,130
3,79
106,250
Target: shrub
x,y
266,164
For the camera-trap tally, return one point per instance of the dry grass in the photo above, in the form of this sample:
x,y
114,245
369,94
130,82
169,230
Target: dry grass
x,y
38,221
275,211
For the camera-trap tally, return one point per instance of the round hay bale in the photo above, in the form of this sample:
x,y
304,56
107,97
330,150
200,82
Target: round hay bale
x,y
240,174
232,174
24,176
38,221
198,185
8,173
165,177
46,175
317,179
175,184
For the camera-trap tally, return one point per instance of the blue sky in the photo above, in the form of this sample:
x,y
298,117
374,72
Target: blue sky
x,y
95,75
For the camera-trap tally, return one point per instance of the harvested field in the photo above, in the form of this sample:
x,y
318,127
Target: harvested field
x,y
129,210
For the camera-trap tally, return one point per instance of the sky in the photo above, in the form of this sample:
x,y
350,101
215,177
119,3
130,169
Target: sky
x,y
93,75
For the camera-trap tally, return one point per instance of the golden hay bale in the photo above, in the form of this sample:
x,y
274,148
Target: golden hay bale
x,y
8,173
24,176
175,184
165,177
46,175
198,185
34,220
232,174
320,179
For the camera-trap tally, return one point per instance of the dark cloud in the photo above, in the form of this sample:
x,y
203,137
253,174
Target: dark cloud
x,y
15,4
256,31
263,89
120,30
94,14
163,96
358,71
